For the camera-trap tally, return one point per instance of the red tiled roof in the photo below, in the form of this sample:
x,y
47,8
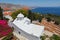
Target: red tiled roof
x,y
5,9
51,27
7,13
25,8
4,28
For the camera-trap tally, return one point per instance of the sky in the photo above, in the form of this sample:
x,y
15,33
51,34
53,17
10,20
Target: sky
x,y
39,3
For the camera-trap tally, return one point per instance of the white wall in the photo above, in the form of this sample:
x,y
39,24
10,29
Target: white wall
x,y
26,35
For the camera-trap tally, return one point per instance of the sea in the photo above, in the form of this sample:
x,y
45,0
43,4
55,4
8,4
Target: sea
x,y
47,10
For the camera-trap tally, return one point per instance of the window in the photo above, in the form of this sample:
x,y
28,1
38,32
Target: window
x,y
19,32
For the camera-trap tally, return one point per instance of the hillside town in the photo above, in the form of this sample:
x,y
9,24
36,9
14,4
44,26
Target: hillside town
x,y
23,27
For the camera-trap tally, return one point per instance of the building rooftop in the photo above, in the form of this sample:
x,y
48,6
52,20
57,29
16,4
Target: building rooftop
x,y
29,28
7,13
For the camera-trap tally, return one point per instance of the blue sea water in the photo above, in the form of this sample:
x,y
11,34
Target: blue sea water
x,y
50,10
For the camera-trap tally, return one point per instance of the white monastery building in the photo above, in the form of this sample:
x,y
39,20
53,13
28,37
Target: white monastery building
x,y
23,26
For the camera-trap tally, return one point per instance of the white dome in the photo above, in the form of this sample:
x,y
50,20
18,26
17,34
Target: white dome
x,y
20,15
26,19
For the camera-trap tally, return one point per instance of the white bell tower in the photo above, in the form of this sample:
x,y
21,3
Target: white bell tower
x,y
20,16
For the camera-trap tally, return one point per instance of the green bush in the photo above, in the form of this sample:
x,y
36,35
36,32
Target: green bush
x,y
55,37
43,37
14,14
8,37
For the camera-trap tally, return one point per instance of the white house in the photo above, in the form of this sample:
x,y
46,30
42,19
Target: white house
x,y
24,27
9,17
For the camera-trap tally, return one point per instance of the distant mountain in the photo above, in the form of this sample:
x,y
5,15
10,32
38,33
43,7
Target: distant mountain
x,y
11,6
45,10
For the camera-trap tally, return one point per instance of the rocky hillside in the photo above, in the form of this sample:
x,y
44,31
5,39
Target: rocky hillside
x,y
11,6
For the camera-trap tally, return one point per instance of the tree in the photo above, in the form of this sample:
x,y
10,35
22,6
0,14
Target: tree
x,y
14,14
1,13
56,22
40,18
30,16
48,19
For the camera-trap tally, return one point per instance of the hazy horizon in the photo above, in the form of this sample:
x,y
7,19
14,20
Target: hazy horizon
x,y
38,3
